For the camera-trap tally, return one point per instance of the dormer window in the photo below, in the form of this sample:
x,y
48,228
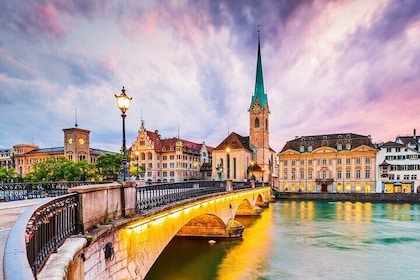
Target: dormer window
x,y
324,137
310,148
348,146
339,147
302,148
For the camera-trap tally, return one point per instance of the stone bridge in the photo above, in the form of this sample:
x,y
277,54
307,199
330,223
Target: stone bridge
x,y
116,246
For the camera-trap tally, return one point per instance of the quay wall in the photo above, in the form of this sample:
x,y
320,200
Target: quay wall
x,y
362,197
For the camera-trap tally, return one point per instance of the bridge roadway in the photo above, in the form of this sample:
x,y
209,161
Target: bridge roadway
x,y
9,213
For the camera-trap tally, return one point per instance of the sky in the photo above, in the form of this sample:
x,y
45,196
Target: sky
x,y
329,67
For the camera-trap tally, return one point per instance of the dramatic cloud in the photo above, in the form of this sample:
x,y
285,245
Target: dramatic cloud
x,y
329,67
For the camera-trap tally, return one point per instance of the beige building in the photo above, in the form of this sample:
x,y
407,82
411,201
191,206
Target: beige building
x,y
76,148
242,158
328,163
170,159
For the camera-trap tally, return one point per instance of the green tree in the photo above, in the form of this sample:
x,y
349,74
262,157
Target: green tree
x,y
6,174
108,166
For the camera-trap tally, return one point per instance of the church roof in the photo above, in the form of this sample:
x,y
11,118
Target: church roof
x,y
234,141
259,92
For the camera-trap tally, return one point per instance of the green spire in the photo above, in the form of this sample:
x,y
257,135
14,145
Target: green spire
x,y
259,92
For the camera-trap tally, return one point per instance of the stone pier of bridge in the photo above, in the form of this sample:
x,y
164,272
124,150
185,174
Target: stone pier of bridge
x,y
126,248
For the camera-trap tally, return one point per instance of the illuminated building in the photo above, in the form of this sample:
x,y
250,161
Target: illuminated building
x,y
169,159
399,166
328,163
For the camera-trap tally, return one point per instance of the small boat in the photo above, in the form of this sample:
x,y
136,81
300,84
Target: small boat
x,y
212,241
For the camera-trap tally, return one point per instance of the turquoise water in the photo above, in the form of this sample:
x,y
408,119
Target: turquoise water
x,y
306,240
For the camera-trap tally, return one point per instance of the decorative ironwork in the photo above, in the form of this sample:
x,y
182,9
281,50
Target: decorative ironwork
x,y
151,196
29,190
48,228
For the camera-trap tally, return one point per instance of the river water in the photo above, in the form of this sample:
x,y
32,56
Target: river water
x,y
306,240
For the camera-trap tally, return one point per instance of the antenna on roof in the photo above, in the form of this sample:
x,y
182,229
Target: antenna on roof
x,y
75,124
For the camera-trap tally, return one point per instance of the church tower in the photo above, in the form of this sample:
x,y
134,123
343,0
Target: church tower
x,y
259,121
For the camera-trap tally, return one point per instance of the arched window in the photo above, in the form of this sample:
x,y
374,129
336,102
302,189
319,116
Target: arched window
x,y
257,123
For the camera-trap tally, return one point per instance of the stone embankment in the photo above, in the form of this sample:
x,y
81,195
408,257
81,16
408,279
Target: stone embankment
x,y
362,197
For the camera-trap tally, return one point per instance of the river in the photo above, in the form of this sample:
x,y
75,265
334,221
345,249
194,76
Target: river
x,y
306,240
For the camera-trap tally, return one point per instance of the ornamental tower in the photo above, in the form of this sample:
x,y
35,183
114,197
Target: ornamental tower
x,y
259,119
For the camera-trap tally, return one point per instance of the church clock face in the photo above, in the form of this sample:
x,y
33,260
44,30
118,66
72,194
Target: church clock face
x,y
256,109
70,140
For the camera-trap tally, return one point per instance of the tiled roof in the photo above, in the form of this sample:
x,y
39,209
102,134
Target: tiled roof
x,y
328,140
47,150
234,141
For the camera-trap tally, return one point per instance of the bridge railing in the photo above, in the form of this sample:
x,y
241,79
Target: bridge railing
x,y
28,190
37,233
150,196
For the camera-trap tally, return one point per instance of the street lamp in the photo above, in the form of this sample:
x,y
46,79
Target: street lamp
x,y
228,163
123,102
252,170
137,162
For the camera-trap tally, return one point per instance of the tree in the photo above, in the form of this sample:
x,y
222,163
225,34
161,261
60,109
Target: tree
x,y
6,174
108,166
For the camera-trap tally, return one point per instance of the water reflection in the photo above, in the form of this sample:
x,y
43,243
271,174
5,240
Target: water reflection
x,y
248,259
306,240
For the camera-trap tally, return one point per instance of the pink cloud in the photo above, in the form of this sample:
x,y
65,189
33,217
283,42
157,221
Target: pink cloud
x,y
50,20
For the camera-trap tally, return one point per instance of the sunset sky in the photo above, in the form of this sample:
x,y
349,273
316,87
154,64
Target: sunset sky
x,y
329,67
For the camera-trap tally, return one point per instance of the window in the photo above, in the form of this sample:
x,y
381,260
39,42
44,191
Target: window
x,y
357,160
348,174
367,174
302,162
293,163
310,148
339,161
172,157
324,162
338,174
348,161
310,162
165,157
324,174
285,162
413,177
257,123
391,177
302,149
310,174
172,173
357,173
285,174
388,150
348,146
398,150
293,174
367,160
339,147
302,174
406,177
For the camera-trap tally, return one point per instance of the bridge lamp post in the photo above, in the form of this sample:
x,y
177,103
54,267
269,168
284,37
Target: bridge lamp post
x,y
123,103
137,162
252,169
228,163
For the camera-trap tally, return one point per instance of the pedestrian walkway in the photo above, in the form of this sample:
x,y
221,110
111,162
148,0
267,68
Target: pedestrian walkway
x,y
9,213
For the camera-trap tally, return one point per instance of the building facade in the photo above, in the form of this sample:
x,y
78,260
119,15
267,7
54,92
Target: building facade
x,y
399,166
328,163
76,147
242,158
170,159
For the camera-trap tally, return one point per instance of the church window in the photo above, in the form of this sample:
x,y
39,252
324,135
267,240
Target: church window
x,y
257,123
